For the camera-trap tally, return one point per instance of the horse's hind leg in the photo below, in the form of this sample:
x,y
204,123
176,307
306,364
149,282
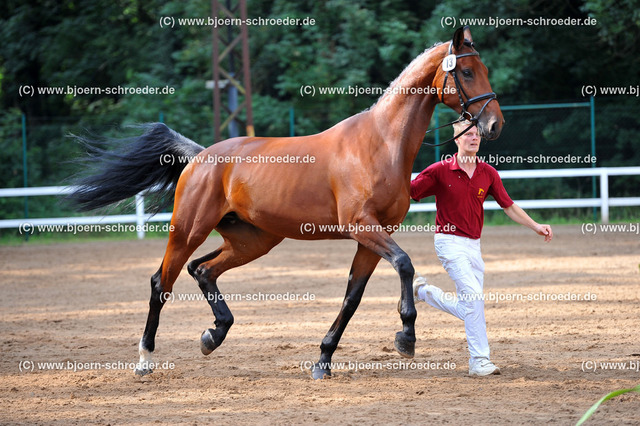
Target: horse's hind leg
x,y
242,244
182,243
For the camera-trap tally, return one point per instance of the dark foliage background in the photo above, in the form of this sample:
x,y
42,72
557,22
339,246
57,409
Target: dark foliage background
x,y
107,43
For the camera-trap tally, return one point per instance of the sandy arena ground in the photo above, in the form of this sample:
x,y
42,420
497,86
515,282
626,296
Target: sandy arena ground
x,y
85,305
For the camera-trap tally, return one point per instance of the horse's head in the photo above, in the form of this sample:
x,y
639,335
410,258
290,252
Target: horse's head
x,y
464,86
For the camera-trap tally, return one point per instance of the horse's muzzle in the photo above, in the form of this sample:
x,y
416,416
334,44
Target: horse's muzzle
x,y
491,129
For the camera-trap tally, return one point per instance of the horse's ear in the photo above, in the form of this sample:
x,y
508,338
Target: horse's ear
x,y
467,34
458,38
462,34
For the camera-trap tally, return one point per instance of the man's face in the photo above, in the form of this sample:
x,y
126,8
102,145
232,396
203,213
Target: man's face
x,y
470,141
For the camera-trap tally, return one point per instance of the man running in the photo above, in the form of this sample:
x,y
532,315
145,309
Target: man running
x,y
461,184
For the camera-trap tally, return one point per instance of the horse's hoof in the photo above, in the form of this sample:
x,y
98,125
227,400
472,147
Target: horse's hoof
x,y
319,373
207,342
404,345
139,371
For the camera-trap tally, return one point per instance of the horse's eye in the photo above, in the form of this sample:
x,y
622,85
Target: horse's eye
x,y
467,73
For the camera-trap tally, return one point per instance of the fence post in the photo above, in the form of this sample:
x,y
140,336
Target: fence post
x,y
140,215
592,119
292,121
24,170
604,195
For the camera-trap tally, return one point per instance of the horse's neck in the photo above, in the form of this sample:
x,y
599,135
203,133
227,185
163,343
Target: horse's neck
x,y
402,119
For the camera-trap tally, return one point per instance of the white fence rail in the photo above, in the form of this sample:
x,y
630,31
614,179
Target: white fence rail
x,y
140,218
604,202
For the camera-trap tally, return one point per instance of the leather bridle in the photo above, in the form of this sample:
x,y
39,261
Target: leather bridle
x,y
465,114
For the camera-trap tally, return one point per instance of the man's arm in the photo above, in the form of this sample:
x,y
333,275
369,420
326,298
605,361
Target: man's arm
x,y
520,216
424,184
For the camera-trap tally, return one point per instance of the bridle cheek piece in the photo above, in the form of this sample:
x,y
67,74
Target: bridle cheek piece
x,y
449,65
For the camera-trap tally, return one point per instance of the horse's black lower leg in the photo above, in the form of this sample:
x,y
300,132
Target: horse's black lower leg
x,y
362,267
382,244
212,337
405,342
147,343
207,281
242,244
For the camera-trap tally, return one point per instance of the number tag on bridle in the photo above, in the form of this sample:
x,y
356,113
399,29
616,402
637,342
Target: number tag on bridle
x,y
449,63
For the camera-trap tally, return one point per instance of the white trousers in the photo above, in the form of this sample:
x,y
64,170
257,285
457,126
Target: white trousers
x,y
463,262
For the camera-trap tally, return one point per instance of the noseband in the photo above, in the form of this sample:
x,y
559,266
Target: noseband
x,y
449,65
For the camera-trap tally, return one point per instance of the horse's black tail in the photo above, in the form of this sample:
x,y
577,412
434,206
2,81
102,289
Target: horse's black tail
x,y
154,160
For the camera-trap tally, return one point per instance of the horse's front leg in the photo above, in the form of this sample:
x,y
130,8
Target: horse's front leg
x,y
383,245
372,246
363,265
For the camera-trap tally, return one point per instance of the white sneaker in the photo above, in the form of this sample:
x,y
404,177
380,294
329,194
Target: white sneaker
x,y
483,367
417,283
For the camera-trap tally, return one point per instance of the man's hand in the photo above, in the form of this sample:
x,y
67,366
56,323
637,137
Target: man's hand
x,y
520,216
544,230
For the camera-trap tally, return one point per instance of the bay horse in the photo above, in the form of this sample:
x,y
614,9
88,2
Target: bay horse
x,y
359,183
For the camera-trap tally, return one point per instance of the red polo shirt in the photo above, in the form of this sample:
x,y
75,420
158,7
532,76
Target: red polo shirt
x,y
459,199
